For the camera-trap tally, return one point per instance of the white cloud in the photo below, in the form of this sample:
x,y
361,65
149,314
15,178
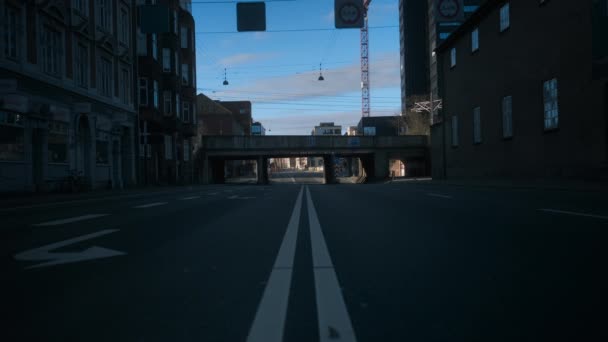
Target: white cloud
x,y
384,73
329,17
243,58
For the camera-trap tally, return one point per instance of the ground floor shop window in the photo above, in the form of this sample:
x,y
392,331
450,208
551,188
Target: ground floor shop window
x,y
58,142
102,148
11,137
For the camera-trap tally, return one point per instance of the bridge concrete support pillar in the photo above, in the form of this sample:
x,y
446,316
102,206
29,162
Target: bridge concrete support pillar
x,y
328,170
205,168
217,167
262,169
381,165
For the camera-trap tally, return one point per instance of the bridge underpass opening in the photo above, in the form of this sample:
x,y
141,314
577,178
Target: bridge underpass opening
x,y
321,169
240,171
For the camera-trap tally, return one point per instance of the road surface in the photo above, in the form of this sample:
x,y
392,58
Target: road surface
x,y
382,262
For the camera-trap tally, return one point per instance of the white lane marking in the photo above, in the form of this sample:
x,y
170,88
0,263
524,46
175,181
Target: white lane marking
x,y
293,180
334,321
213,193
44,252
70,220
189,198
87,200
574,213
439,195
269,322
150,205
233,197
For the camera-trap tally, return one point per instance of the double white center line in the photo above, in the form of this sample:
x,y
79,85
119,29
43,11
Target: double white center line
x,y
333,319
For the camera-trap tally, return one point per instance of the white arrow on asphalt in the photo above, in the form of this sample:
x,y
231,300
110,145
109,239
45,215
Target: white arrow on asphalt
x,y
44,252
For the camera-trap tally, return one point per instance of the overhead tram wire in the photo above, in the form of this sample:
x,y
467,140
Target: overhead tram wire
x,y
284,93
295,30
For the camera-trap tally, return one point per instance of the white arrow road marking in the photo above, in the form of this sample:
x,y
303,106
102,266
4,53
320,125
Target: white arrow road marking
x,y
70,220
334,321
149,205
269,322
44,252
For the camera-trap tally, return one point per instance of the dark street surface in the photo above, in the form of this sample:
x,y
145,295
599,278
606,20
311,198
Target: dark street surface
x,y
292,262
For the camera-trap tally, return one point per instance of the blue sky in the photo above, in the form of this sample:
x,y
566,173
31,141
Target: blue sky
x,y
278,71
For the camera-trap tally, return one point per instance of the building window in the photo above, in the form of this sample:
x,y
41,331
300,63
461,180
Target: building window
x,y
551,105
82,6
477,125
104,14
12,26
505,21
177,106
185,74
475,40
102,153
167,102
81,65
58,142
453,57
507,117
175,22
125,86
176,63
166,60
184,37
142,44
124,26
186,111
168,147
454,131
194,118
143,91
51,51
155,94
154,46
105,77
186,150
12,137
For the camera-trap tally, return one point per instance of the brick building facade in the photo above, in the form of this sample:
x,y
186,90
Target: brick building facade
x,y
524,93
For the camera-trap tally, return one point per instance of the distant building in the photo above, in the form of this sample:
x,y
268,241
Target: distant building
x,y
352,130
215,119
382,125
67,94
257,129
542,113
241,110
419,34
324,128
327,128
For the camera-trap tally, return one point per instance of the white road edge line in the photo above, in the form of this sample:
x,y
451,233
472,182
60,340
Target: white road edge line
x,y
334,321
269,322
149,205
69,220
574,213
439,195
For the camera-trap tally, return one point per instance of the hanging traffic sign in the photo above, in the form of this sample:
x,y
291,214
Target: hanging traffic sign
x,y
349,13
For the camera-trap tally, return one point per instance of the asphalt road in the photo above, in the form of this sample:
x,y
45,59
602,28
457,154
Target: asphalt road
x,y
382,262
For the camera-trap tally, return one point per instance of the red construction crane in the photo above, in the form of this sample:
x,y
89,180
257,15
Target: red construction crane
x,y
365,107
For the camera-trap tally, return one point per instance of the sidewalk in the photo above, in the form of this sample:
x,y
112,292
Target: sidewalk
x,y
564,185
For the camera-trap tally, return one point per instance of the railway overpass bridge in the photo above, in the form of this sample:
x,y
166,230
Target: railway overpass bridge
x,y
374,153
